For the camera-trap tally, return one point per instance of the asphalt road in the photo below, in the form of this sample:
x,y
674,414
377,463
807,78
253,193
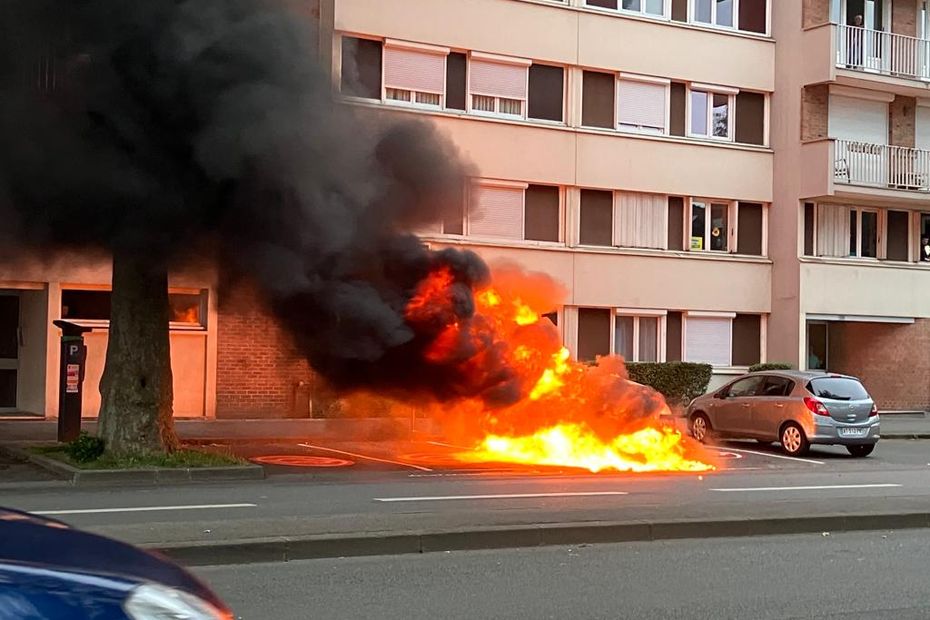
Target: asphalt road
x,y
760,483
853,576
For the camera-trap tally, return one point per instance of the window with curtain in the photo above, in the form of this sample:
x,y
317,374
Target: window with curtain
x,y
498,87
636,338
641,220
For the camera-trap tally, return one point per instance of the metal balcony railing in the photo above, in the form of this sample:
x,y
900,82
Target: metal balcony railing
x,y
881,165
882,52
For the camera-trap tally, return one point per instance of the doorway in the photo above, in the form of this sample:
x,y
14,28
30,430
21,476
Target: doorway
x,y
818,345
9,350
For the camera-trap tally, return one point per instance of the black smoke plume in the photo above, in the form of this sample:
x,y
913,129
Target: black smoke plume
x,y
161,127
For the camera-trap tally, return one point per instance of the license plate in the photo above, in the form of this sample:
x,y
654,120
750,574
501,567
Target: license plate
x,y
853,432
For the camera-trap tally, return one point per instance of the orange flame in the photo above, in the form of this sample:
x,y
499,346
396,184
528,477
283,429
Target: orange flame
x,y
566,413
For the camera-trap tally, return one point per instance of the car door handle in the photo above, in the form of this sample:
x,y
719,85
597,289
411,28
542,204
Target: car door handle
x,y
780,405
747,405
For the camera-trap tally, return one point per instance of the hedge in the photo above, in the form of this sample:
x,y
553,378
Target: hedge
x,y
678,382
770,366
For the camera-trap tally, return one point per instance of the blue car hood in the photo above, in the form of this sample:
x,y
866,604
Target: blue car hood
x,y
41,542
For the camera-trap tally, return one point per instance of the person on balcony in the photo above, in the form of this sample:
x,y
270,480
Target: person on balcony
x,y
925,249
854,40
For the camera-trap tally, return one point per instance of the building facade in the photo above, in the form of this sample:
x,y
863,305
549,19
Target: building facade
x,y
720,181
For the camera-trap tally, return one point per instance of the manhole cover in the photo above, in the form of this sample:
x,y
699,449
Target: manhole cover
x,y
296,460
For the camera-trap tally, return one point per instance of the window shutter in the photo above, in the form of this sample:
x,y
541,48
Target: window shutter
x,y
496,212
640,221
641,104
497,79
832,230
414,70
708,340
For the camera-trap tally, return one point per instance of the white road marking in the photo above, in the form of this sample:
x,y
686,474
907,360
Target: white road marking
x,y
733,454
362,456
809,488
778,456
89,511
443,498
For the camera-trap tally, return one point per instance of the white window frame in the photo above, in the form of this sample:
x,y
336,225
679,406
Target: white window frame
x,y
414,47
636,314
710,90
880,223
632,77
692,314
507,60
732,224
642,10
692,6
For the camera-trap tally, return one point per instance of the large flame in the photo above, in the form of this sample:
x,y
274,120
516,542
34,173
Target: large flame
x,y
556,411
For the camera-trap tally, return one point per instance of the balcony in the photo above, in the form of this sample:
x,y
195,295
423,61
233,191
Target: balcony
x,y
883,53
881,166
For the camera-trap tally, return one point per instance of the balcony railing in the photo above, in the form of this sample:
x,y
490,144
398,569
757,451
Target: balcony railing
x,y
882,52
881,165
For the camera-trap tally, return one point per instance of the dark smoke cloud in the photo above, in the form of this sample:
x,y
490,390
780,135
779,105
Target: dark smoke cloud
x,y
171,125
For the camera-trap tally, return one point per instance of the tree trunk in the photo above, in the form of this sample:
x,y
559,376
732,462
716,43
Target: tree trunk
x,y
136,388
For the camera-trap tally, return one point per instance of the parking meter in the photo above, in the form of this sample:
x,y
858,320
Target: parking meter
x,y
71,379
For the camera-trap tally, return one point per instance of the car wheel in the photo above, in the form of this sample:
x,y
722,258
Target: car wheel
x,y
700,427
793,440
861,451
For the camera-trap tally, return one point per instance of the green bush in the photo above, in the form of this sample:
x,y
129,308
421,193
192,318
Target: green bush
x,y
770,366
678,382
85,448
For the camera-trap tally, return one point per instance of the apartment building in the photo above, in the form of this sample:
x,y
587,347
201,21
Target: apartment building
x,y
623,147
851,286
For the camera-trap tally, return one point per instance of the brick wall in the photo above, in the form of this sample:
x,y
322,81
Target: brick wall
x,y
893,361
815,108
904,17
258,369
815,13
902,116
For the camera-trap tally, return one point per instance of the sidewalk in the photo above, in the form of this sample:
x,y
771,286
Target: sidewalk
x,y
905,425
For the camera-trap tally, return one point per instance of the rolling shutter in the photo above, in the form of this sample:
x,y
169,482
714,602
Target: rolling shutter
x,y
497,79
414,70
709,340
496,212
641,104
858,120
922,137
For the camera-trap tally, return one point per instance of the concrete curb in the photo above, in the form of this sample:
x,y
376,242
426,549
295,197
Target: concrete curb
x,y
920,435
143,476
284,549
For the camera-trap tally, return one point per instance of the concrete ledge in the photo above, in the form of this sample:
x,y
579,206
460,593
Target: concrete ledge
x,y
141,476
283,549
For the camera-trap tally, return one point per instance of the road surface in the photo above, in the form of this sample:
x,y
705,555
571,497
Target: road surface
x,y
853,576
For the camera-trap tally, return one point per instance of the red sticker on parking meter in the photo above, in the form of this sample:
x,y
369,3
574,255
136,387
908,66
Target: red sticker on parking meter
x,y
73,379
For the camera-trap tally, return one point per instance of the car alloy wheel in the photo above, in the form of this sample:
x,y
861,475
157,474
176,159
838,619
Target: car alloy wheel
x,y
699,428
793,440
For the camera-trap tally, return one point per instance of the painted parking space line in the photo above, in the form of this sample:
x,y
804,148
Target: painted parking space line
x,y
807,488
88,511
445,498
777,456
363,456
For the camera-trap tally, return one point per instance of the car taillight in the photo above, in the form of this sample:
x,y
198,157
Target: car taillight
x,y
815,406
874,411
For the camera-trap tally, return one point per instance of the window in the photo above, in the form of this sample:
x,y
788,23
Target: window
x,y
498,85
750,118
749,237
808,229
89,305
597,101
361,68
637,338
641,220
708,338
817,346
546,92
414,75
863,233
744,388
710,114
716,12
515,211
777,386
596,223
593,333
710,229
925,237
641,105
753,16
837,388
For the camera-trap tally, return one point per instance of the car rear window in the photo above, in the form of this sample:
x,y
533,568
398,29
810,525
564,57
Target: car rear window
x,y
837,388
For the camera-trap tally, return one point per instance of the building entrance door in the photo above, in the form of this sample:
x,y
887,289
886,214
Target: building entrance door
x,y
9,350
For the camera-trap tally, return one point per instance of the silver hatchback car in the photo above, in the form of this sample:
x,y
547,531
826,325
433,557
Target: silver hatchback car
x,y
794,408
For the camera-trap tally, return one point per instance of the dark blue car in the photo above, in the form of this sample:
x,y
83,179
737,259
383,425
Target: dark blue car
x,y
49,570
